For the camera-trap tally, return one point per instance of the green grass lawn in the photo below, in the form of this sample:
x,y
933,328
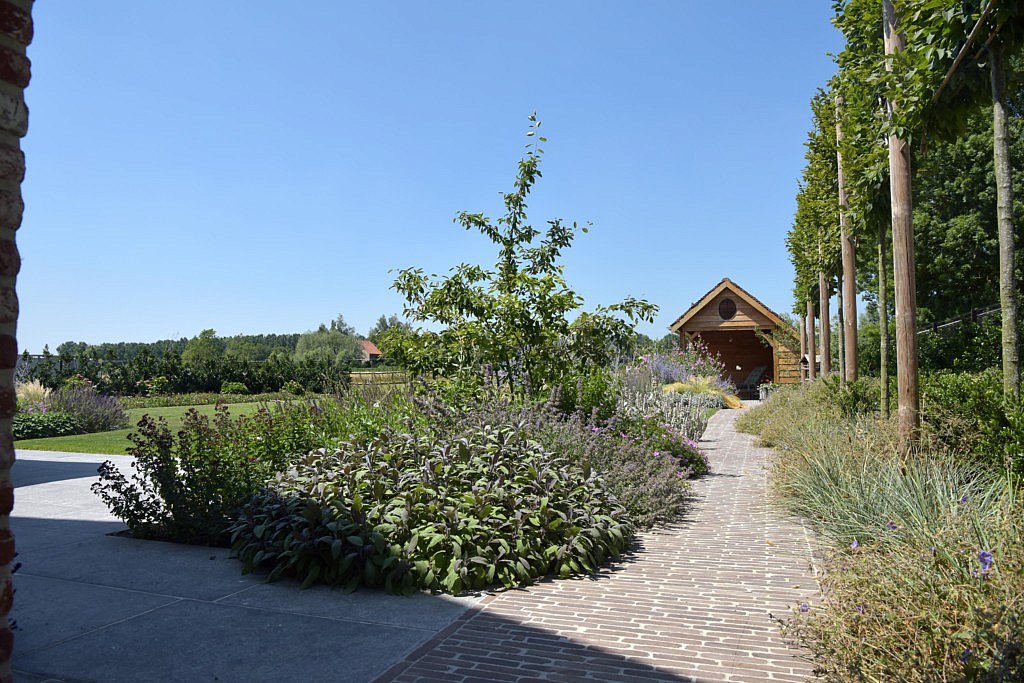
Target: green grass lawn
x,y
116,442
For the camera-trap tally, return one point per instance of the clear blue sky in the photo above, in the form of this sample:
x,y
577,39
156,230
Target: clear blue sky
x,y
256,166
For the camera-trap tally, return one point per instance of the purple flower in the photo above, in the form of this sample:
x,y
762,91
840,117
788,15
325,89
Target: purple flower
x,y
853,546
804,607
657,453
965,656
964,499
860,608
985,558
891,525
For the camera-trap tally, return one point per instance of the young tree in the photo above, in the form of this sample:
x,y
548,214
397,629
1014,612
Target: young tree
x,y
514,318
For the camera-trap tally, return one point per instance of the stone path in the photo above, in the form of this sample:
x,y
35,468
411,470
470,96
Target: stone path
x,y
695,605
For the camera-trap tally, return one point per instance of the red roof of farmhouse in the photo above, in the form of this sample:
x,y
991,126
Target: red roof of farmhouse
x,y
369,347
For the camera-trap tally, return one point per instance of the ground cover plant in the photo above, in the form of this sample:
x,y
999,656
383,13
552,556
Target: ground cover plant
x,y
924,573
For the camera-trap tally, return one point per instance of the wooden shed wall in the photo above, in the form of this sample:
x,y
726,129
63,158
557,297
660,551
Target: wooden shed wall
x,y
787,364
747,317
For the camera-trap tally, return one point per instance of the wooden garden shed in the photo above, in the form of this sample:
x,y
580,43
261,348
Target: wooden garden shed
x,y
727,319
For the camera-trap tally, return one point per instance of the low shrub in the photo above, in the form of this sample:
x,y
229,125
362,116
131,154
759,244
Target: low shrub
x,y
405,513
294,388
42,425
591,394
202,399
76,380
234,388
95,412
967,413
154,386
188,486
859,397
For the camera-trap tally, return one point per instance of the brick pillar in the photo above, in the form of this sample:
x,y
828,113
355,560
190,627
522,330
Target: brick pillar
x,y
15,34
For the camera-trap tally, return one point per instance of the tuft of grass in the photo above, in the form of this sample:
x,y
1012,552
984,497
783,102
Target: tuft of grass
x,y
708,386
32,391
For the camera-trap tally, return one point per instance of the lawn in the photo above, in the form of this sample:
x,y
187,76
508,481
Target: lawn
x,y
116,442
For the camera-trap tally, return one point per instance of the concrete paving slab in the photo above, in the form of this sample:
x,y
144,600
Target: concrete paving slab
x,y
36,536
184,571
196,641
368,606
30,470
48,611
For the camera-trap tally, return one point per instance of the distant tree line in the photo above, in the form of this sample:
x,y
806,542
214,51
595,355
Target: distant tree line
x,y
315,359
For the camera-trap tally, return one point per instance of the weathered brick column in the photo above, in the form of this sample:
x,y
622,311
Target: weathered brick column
x,y
15,35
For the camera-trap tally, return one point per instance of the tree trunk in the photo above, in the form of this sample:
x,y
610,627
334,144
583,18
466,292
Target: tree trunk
x,y
803,344
842,328
908,401
883,320
848,289
811,360
16,29
1004,212
826,326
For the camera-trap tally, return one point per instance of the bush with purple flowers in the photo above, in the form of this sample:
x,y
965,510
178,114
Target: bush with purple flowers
x,y
96,412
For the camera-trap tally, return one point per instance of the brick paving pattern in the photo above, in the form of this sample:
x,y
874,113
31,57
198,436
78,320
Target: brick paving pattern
x,y
693,605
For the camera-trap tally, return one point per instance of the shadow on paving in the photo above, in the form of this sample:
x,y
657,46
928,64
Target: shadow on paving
x,y
484,647
37,471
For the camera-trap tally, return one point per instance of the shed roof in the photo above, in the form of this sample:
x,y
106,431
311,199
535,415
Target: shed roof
x,y
725,284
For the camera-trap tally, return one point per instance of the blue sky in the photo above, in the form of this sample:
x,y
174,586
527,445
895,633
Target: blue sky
x,y
258,166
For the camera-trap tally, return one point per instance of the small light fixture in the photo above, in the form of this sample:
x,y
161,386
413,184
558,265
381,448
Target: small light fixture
x,y
739,367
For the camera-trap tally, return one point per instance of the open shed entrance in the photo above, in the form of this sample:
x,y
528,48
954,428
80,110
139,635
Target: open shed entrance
x,y
741,351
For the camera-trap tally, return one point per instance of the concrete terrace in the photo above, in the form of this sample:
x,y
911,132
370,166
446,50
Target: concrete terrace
x,y
692,604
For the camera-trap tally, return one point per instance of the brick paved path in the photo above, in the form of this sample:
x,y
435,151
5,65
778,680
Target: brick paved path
x,y
693,605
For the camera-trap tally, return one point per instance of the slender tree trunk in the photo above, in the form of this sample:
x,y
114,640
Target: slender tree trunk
x,y
826,326
848,279
908,400
811,360
803,344
16,29
883,320
1004,212
842,328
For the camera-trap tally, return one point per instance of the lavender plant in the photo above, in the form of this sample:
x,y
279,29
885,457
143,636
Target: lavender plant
x,y
95,412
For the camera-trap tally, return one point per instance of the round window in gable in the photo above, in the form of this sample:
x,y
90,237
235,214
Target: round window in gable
x,y
727,309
